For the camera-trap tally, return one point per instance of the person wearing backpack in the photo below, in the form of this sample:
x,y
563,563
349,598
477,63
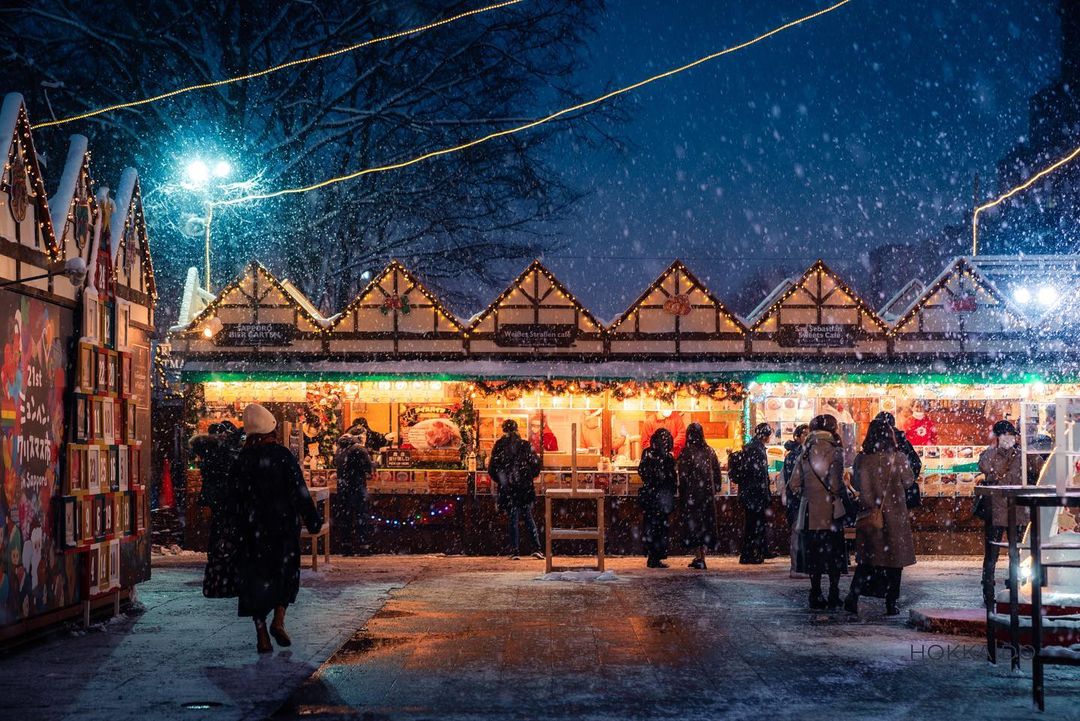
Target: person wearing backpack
x,y
749,470
819,477
513,467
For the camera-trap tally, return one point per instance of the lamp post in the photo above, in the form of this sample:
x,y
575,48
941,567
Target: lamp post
x,y
201,177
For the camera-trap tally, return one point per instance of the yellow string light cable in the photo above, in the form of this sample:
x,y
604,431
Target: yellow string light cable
x,y
283,66
1005,196
541,121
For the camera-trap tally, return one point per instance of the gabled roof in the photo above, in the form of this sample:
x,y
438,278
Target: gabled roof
x,y
535,267
395,266
768,300
76,162
678,267
256,268
193,299
132,223
297,295
14,122
1053,275
959,267
819,267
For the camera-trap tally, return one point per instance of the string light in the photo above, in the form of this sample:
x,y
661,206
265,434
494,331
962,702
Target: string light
x,y
417,519
1008,194
535,123
276,68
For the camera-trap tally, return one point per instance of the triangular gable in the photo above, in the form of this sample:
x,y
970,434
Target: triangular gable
x,y
128,240
25,218
536,314
396,313
677,315
256,301
819,313
193,299
74,208
960,311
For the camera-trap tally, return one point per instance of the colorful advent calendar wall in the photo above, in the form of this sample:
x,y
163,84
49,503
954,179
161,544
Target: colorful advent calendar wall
x,y
74,385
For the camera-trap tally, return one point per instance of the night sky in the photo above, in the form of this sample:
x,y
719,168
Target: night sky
x,y
861,128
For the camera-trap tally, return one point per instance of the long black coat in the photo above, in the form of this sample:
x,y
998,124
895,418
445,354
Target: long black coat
x,y
658,481
354,469
272,498
513,466
215,467
754,492
699,476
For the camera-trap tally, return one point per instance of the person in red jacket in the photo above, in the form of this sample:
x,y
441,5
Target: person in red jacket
x,y
541,438
920,429
672,422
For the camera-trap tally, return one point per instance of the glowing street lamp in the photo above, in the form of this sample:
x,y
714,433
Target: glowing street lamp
x,y
199,174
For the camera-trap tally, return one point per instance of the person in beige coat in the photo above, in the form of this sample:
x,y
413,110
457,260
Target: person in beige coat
x,y
883,541
1002,465
819,477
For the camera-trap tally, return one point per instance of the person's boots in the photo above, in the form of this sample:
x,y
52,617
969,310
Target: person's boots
x,y
890,607
851,603
262,638
834,598
817,601
277,628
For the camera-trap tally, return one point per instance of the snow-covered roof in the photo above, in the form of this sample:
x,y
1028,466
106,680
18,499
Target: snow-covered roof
x,y
193,300
124,193
297,295
105,203
9,116
1033,284
894,307
768,300
60,203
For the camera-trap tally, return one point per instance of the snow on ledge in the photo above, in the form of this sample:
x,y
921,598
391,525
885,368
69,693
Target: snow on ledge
x,y
583,576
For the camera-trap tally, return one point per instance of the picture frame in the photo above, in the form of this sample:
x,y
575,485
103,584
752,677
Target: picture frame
x,y
123,323
86,522
102,372
135,469
92,561
103,568
74,469
107,421
104,479
99,517
140,512
114,564
108,512
114,468
93,483
130,428
124,499
122,460
70,522
97,434
107,310
86,368
114,383
81,427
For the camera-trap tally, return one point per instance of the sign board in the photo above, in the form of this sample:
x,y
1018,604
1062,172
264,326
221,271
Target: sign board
x,y
826,335
539,335
964,304
253,335
397,458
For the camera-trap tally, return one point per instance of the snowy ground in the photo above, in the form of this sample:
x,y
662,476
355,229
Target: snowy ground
x,y
433,637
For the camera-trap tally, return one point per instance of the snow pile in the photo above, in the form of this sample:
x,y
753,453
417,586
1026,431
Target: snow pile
x,y
579,576
1070,652
173,550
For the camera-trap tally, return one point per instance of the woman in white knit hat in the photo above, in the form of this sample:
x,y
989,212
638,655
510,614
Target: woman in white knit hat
x,y
272,499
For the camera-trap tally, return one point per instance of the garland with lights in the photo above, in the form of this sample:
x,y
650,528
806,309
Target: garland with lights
x,y
418,519
664,391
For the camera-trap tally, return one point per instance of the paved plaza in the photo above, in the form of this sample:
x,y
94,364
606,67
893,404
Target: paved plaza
x,y
430,637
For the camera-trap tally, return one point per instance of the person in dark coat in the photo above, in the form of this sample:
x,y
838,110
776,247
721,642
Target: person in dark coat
x,y
902,443
699,477
1002,464
794,449
883,541
754,496
272,498
819,478
354,468
514,466
216,451
657,494
369,438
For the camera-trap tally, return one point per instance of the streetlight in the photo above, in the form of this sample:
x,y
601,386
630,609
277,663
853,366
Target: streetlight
x,y
199,175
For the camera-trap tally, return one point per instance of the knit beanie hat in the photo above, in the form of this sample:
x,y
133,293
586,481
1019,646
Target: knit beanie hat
x,y
258,420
